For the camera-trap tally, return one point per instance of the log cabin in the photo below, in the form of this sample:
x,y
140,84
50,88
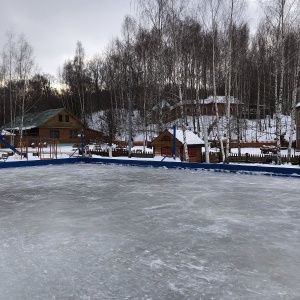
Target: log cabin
x,y
58,124
207,107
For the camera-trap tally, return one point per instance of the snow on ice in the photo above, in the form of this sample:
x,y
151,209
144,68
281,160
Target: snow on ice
x,y
115,232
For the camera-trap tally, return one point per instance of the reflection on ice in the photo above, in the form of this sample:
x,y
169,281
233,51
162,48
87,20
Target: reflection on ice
x,y
113,232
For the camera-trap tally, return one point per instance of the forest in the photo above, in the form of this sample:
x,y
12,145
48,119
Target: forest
x,y
170,50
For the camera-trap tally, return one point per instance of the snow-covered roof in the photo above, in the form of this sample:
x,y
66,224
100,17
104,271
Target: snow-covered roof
x,y
219,99
162,105
33,120
298,104
191,137
209,100
6,133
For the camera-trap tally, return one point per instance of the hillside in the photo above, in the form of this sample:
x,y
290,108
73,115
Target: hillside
x,y
250,130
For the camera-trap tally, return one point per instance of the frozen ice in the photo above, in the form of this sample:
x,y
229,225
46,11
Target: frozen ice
x,y
113,232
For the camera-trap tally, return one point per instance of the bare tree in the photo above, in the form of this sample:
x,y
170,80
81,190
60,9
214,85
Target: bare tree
x,y
213,9
9,53
281,14
295,89
233,9
25,65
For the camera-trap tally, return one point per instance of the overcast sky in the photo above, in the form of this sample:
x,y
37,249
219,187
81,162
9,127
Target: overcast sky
x,y
53,27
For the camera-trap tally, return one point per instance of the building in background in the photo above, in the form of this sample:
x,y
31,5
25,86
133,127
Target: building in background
x,y
163,145
58,124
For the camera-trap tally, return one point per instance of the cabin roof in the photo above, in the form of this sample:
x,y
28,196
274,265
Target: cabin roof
x,y
34,120
191,137
209,100
6,133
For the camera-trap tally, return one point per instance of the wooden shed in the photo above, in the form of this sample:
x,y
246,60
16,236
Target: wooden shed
x,y
57,124
163,145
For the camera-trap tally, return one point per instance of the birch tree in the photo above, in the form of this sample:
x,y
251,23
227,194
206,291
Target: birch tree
x,y
153,15
9,53
213,10
25,67
176,37
295,89
234,9
281,14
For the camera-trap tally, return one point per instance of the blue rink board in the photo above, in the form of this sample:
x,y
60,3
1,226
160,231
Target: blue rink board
x,y
233,168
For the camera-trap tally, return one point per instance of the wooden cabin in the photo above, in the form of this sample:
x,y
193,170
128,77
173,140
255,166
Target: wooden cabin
x,y
205,107
57,124
163,145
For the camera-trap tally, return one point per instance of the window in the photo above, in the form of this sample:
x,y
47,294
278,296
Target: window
x,y
166,151
54,134
67,118
60,119
298,133
166,138
192,152
73,134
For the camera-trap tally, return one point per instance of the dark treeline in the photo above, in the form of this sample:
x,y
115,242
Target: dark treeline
x,y
172,50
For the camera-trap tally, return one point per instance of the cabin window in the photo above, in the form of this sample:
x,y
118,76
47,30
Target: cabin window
x,y
54,134
73,134
192,152
166,151
67,118
166,138
60,118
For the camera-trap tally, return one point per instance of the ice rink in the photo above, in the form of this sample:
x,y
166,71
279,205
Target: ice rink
x,y
113,232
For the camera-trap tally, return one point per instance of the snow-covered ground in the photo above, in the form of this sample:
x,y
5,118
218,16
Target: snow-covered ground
x,y
250,130
113,232
67,151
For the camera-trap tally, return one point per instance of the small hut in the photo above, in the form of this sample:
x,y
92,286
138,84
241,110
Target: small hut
x,y
163,145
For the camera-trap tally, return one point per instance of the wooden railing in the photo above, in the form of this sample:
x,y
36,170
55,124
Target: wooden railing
x,y
122,152
215,157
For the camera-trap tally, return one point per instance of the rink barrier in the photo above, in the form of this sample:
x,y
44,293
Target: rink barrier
x,y
220,167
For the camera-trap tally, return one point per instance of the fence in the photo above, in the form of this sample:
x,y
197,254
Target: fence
x,y
119,152
215,157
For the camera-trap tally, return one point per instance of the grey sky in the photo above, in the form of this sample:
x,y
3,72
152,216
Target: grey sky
x,y
53,27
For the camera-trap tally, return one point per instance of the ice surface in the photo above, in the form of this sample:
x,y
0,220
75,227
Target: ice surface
x,y
115,232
